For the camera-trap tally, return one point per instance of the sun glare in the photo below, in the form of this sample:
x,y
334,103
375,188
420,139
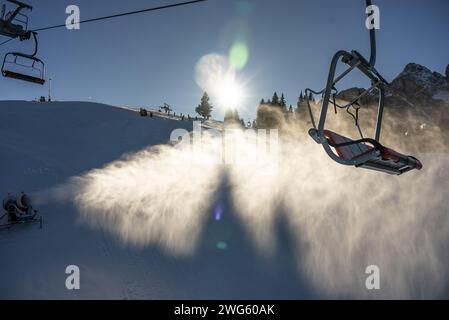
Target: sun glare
x,y
229,93
218,77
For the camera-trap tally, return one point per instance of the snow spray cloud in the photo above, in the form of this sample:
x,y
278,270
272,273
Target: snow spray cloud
x,y
161,195
345,219
341,219
157,196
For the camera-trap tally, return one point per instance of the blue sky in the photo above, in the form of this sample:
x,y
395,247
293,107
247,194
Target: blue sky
x,y
149,59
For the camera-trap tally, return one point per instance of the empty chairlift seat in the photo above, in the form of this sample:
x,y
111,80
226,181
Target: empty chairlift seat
x,y
383,159
23,67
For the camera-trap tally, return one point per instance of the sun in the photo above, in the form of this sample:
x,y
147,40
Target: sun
x,y
229,93
216,75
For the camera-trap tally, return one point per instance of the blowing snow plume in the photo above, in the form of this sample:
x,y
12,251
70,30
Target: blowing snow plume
x,y
345,220
342,219
158,196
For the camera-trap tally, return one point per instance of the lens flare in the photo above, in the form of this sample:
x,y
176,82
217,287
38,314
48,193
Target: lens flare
x,y
222,245
239,55
218,212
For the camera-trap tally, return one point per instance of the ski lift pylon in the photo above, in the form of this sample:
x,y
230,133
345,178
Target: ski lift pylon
x,y
366,153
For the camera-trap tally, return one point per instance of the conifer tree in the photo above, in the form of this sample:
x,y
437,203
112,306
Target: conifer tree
x,y
275,99
204,109
282,102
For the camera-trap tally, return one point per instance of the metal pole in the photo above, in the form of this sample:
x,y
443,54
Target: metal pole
x,y
49,89
372,36
380,111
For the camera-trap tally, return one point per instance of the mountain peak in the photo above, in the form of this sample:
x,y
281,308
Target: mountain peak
x,y
417,78
416,68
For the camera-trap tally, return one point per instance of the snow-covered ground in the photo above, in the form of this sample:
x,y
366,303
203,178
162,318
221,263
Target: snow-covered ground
x,y
44,144
146,223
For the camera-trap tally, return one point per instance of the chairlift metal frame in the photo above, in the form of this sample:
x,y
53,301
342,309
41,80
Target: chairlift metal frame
x,y
10,28
11,25
367,153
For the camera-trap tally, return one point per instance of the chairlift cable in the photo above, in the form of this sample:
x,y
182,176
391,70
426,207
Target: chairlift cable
x,y
124,14
5,42
25,35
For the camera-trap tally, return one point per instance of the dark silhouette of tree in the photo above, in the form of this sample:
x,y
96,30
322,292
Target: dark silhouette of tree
x,y
229,115
232,116
275,99
236,115
204,109
282,102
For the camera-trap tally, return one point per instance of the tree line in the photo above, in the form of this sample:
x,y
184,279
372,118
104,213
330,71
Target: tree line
x,y
270,113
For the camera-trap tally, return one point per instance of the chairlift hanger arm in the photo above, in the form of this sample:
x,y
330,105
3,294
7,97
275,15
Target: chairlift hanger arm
x,y
372,38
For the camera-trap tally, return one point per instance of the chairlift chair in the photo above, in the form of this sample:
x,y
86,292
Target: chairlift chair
x,y
37,66
16,63
366,153
19,65
14,23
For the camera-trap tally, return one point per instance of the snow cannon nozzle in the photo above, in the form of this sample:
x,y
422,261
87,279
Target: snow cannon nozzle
x,y
18,209
21,201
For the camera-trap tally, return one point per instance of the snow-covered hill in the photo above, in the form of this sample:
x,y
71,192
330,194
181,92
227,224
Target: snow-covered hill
x,y
44,144
147,223
48,142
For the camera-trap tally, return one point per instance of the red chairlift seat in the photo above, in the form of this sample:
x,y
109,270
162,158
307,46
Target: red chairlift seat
x,y
382,158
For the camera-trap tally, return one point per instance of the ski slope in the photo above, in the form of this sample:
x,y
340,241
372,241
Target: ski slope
x,y
44,144
141,222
